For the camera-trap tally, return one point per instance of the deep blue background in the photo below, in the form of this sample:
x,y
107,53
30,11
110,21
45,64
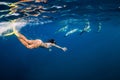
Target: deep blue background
x,y
91,56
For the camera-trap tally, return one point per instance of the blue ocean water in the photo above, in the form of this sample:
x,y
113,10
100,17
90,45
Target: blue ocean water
x,y
93,55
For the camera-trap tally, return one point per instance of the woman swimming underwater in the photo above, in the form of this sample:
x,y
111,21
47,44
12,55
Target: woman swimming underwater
x,y
31,44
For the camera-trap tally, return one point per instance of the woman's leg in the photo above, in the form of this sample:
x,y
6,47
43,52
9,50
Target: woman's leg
x,y
21,37
24,40
27,43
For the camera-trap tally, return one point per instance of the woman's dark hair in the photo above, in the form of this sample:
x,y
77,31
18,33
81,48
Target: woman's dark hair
x,y
52,41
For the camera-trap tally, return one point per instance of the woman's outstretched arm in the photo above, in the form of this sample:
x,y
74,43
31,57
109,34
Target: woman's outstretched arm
x,y
57,46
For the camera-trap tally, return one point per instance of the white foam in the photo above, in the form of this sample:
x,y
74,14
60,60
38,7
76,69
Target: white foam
x,y
6,27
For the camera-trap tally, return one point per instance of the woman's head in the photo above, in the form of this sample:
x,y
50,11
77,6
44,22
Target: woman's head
x,y
52,41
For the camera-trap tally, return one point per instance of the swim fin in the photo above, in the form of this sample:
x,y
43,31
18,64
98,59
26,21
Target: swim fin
x,y
9,34
15,32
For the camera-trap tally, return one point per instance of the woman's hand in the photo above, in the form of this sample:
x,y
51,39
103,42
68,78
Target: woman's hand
x,y
64,48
